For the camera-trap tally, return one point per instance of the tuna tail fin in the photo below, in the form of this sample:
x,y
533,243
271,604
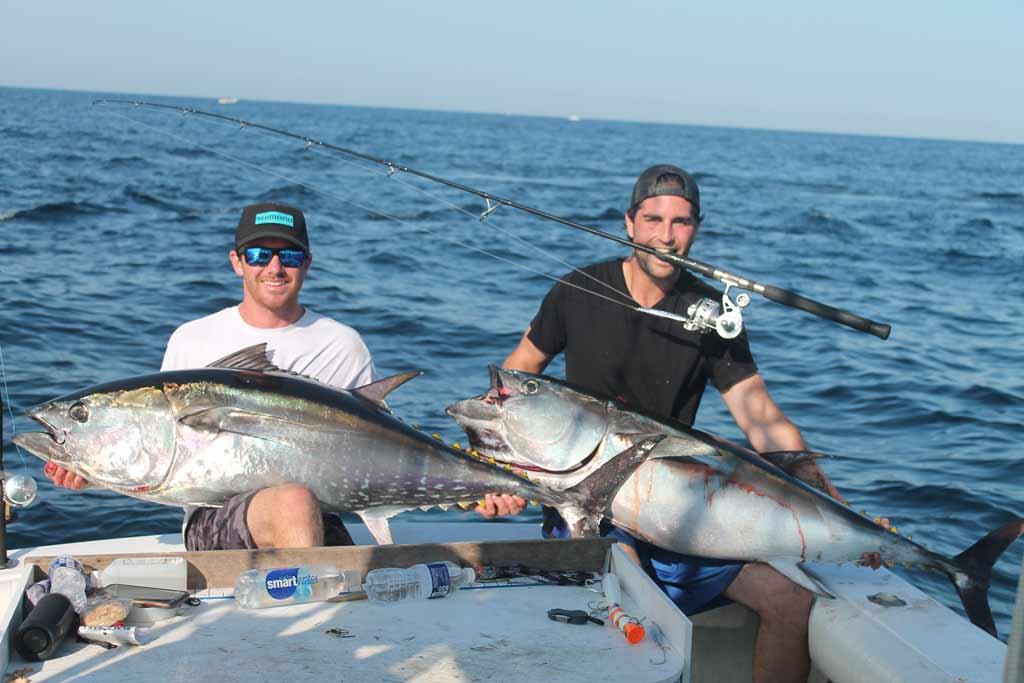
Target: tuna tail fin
x,y
975,570
590,499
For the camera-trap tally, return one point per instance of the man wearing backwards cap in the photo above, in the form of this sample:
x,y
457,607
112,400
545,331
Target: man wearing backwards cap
x,y
655,365
271,256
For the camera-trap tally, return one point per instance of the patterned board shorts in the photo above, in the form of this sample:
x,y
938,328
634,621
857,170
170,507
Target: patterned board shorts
x,y
224,528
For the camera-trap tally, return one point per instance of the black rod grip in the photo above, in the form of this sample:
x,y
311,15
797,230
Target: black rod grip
x,y
788,298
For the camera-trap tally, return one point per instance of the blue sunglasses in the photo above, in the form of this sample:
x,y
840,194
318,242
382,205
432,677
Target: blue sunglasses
x,y
260,256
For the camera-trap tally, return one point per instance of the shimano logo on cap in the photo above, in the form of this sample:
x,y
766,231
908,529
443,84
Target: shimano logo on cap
x,y
274,217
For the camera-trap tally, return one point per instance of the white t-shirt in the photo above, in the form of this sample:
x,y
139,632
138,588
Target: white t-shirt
x,y
314,345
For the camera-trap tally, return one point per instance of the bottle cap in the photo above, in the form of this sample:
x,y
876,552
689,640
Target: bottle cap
x,y
634,633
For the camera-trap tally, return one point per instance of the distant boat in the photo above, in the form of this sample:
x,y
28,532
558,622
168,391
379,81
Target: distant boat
x,y
574,118
227,100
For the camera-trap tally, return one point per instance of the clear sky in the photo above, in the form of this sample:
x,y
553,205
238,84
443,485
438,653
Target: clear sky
x,y
913,68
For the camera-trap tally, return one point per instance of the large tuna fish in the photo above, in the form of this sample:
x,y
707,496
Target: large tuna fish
x,y
699,494
197,437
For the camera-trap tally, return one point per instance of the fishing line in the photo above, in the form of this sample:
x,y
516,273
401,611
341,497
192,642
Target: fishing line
x,y
400,221
337,156
706,319
441,200
391,175
7,400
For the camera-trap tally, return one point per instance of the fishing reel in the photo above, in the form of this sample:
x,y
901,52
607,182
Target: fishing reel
x,y
707,315
19,489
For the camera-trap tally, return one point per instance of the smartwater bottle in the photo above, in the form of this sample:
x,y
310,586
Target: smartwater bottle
x,y
259,588
66,577
418,582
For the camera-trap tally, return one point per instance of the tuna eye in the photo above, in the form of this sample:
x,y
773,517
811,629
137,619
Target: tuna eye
x,y
78,412
531,386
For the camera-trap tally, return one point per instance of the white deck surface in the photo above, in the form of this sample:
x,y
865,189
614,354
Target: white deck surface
x,y
503,634
486,634
496,634
854,638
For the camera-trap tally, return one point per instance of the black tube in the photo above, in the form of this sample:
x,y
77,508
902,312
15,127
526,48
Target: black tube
x,y
46,627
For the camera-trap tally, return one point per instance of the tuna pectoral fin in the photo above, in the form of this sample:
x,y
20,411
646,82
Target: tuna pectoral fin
x,y
591,498
975,570
797,572
680,447
256,425
693,451
376,391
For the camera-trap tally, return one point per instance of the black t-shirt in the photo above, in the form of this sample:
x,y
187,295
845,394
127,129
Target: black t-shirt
x,y
647,362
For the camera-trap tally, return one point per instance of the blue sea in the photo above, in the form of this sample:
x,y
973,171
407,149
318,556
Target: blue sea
x,y
117,222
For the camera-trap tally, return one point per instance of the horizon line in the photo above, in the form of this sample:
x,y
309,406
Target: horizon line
x,y
572,117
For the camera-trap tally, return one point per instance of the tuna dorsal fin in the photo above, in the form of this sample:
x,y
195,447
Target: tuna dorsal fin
x,y
250,358
788,460
376,391
254,358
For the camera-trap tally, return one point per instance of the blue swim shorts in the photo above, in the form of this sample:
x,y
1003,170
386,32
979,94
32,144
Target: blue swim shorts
x,y
694,584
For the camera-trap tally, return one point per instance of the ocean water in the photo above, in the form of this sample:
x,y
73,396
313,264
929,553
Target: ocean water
x,y
116,224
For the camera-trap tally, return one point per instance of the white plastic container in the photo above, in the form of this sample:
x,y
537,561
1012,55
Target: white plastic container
x,y
152,572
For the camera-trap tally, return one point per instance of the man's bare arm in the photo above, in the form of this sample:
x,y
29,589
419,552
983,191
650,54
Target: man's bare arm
x,y
768,429
527,357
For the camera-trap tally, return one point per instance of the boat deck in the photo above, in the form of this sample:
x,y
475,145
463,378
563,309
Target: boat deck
x,y
493,634
880,627
480,633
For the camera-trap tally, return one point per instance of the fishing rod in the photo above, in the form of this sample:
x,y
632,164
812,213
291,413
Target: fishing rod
x,y
703,315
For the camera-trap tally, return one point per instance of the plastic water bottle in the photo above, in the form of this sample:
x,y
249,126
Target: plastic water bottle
x,y
259,588
420,581
68,578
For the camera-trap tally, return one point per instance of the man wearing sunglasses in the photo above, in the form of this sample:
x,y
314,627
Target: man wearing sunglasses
x,y
272,256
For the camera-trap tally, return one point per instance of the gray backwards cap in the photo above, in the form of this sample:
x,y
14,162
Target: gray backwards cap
x,y
678,184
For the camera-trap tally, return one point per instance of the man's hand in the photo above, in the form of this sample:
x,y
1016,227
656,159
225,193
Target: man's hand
x,y
64,478
500,505
809,473
812,475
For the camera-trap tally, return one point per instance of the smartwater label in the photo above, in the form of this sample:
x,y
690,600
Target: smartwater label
x,y
440,578
284,583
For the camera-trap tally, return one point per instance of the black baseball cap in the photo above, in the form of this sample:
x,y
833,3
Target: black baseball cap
x,y
665,179
272,220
